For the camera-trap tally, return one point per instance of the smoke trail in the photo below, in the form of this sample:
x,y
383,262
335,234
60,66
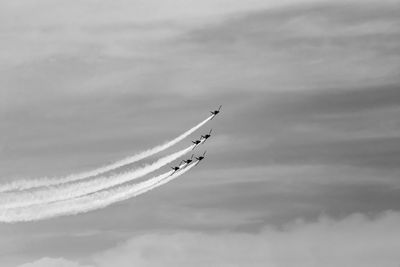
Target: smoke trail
x,y
87,203
72,190
27,184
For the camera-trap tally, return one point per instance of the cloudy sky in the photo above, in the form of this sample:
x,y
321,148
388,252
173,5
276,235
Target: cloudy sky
x,y
303,169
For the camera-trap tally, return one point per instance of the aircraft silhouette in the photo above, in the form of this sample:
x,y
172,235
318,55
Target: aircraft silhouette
x,y
196,143
176,168
201,157
215,112
205,137
189,160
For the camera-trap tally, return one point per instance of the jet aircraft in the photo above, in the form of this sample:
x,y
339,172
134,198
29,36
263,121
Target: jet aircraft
x,y
189,160
215,112
205,137
176,168
196,143
201,157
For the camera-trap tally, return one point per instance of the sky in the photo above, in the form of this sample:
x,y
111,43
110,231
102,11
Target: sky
x,y
304,162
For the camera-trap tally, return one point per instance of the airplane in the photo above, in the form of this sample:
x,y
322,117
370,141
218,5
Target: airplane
x,y
201,157
189,160
215,112
196,143
205,137
176,168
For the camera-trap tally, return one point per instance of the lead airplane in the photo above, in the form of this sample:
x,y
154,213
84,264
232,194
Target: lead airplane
x,y
215,112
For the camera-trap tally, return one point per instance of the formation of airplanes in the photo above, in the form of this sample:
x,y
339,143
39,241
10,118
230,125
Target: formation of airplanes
x,y
197,142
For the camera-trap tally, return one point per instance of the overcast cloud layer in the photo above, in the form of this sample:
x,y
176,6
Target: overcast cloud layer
x,y
303,169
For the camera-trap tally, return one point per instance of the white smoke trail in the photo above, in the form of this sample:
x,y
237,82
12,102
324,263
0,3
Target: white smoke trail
x,y
87,203
73,190
27,184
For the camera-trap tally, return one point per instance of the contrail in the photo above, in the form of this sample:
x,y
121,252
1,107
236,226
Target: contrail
x,y
87,203
27,184
73,190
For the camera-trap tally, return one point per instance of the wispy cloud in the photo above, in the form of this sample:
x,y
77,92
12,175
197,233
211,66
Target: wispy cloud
x,y
356,240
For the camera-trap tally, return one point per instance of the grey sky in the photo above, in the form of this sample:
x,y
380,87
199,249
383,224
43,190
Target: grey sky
x,y
306,152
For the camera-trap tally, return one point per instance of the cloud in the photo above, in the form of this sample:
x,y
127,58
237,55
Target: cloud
x,y
53,262
353,241
315,45
343,100
128,28
380,152
33,31
357,241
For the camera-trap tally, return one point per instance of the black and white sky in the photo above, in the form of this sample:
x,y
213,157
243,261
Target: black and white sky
x,y
304,165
